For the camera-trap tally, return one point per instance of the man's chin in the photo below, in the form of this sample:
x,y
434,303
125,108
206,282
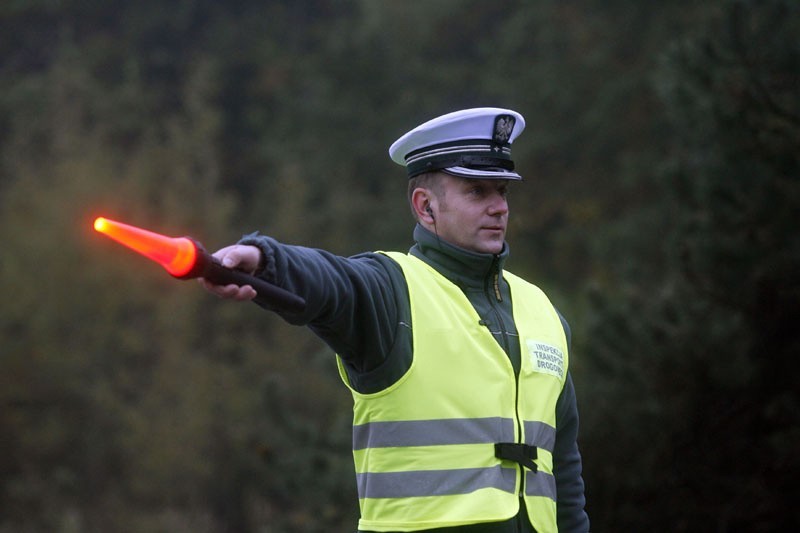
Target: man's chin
x,y
492,247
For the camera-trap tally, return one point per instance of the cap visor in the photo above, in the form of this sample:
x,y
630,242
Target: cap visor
x,y
483,173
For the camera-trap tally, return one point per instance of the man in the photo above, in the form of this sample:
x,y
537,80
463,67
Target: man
x,y
465,417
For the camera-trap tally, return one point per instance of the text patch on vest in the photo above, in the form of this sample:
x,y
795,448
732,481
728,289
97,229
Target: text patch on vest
x,y
546,358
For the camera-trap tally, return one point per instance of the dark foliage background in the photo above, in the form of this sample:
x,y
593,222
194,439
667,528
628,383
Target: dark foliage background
x,y
662,158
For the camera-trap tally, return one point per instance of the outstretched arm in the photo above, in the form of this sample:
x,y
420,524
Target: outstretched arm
x,y
352,303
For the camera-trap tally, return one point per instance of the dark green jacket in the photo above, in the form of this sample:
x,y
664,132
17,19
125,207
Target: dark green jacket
x,y
360,307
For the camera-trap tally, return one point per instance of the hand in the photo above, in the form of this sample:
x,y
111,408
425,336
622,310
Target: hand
x,y
239,257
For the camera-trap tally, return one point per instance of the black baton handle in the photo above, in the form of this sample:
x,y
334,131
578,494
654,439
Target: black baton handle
x,y
209,268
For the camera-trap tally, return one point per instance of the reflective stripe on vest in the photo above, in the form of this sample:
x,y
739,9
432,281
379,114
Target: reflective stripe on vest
x,y
424,448
407,433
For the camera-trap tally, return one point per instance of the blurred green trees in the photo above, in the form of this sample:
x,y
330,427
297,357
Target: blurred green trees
x,y
661,165
693,361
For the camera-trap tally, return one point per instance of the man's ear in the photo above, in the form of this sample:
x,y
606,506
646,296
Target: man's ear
x,y
424,204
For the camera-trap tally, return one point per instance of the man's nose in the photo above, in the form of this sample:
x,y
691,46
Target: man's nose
x,y
499,205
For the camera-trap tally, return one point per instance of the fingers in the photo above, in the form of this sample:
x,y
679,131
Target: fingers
x,y
230,292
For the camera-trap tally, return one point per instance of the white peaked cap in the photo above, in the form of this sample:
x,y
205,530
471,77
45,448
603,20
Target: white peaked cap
x,y
471,143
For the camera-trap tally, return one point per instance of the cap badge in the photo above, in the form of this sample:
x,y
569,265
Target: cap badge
x,y
503,126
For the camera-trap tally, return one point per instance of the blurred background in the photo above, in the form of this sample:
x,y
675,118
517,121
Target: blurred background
x,y
659,212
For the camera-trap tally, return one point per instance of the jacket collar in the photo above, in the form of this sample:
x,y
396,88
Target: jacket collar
x,y
462,267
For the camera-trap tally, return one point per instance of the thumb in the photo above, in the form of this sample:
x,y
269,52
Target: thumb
x,y
228,257
231,259
240,257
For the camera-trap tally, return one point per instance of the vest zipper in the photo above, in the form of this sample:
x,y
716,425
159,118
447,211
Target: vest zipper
x,y
494,276
496,284
520,440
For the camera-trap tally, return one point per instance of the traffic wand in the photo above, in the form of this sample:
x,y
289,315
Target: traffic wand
x,y
185,258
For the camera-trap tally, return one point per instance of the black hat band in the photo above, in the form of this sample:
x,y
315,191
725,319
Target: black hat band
x,y
459,154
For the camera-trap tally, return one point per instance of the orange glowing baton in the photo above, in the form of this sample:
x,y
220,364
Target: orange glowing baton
x,y
185,258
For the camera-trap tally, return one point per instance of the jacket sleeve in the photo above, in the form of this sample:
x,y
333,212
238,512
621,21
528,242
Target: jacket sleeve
x,y
567,464
351,302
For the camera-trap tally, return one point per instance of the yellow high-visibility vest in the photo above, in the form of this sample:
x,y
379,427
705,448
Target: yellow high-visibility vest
x,y
424,448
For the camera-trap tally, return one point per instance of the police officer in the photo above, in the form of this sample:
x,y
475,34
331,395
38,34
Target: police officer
x,y
465,417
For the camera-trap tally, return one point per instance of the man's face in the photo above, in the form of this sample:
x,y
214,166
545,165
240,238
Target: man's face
x,y
471,213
